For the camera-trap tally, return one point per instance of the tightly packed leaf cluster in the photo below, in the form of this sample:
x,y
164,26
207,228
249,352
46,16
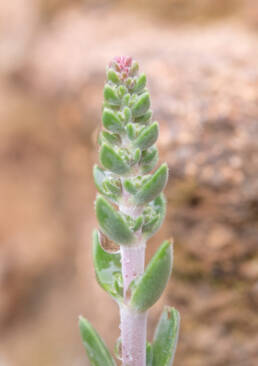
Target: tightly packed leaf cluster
x,y
130,208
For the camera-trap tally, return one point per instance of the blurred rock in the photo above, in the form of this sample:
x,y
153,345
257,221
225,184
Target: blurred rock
x,y
18,21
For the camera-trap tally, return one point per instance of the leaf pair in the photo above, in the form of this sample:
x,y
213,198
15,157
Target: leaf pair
x,y
149,190
160,353
115,227
113,161
146,290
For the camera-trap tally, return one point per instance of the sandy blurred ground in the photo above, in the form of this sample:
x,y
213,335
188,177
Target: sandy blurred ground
x,y
201,60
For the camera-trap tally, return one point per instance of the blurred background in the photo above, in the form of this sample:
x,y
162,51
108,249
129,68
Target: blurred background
x,y
201,59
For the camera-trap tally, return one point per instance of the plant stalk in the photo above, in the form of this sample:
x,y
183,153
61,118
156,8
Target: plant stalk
x,y
133,324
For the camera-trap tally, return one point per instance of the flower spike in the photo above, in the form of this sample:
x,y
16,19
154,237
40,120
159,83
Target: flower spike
x,y
130,209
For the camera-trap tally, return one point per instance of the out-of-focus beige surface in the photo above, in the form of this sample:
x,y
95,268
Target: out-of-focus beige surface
x,y
201,61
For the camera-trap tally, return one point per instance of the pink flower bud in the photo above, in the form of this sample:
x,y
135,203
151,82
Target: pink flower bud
x,y
122,64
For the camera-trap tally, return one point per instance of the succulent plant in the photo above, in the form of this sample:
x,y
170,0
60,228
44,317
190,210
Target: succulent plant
x,y
130,208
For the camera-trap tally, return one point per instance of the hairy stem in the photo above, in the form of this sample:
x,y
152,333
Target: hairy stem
x,y
133,335
133,324
132,264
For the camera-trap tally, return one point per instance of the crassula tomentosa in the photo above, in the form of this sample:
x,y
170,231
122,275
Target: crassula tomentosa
x,y
130,208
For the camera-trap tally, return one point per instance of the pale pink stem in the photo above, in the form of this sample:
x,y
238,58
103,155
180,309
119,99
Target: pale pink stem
x,y
132,260
133,324
133,335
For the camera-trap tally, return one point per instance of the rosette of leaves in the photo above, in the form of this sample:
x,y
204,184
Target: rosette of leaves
x,y
130,208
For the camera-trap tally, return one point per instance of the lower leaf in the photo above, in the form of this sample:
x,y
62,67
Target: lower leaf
x,y
165,338
96,349
149,354
147,289
107,268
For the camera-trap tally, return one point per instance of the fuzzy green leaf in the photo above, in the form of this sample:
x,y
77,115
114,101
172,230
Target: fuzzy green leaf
x,y
113,161
107,267
136,156
138,223
140,83
129,186
147,227
99,176
112,187
142,105
148,136
144,118
130,131
111,96
148,160
159,207
110,121
149,154
112,76
95,347
153,187
112,223
110,138
104,186
127,114
165,338
126,99
149,354
147,290
135,68
122,91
